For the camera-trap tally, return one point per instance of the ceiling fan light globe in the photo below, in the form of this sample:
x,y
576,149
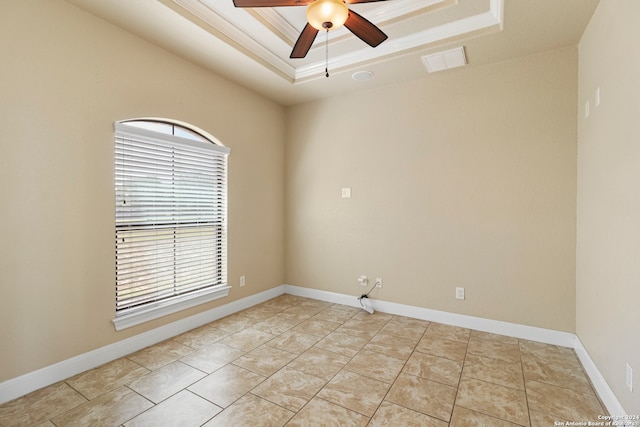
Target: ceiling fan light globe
x,y
322,11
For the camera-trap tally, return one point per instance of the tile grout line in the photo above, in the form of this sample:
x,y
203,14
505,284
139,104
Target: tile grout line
x,y
285,366
397,376
342,369
524,382
252,321
501,385
391,384
464,361
336,374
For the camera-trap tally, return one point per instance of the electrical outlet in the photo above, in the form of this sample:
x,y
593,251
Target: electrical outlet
x,y
459,293
629,378
363,280
242,281
378,282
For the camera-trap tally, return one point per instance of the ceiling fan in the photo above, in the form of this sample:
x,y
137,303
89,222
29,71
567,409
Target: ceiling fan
x,y
324,15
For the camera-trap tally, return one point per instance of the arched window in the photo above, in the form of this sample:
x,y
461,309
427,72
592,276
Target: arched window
x,y
171,219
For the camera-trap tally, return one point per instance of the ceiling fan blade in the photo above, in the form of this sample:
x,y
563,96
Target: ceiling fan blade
x,y
364,29
269,3
304,42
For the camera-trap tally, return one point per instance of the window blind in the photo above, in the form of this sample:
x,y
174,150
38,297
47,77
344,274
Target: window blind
x,y
171,206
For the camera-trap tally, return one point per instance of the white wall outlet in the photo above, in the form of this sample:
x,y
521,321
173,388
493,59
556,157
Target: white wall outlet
x,y
378,282
459,293
242,281
629,378
346,192
363,280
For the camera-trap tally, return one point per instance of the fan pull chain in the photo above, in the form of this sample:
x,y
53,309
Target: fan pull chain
x,y
326,51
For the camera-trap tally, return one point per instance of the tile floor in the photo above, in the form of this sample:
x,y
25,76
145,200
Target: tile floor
x,y
300,362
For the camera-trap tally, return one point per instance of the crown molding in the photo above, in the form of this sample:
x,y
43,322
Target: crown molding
x,y
240,38
264,34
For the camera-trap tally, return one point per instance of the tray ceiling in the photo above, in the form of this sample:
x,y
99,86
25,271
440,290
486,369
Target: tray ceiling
x,y
251,46
268,34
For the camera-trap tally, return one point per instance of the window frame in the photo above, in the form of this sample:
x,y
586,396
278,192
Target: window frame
x,y
131,316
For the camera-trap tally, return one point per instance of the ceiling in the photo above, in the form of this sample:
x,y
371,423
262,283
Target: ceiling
x,y
252,46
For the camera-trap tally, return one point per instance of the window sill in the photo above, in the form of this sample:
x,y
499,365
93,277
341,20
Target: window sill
x,y
168,307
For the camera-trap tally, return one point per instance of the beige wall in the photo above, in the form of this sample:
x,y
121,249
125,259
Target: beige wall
x,y
608,208
65,78
466,178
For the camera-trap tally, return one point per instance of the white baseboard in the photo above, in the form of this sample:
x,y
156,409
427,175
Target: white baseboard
x,y
24,384
599,383
547,336
533,333
35,380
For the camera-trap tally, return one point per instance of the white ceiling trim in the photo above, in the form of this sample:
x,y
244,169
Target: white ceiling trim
x,y
233,32
237,33
489,19
281,24
387,11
